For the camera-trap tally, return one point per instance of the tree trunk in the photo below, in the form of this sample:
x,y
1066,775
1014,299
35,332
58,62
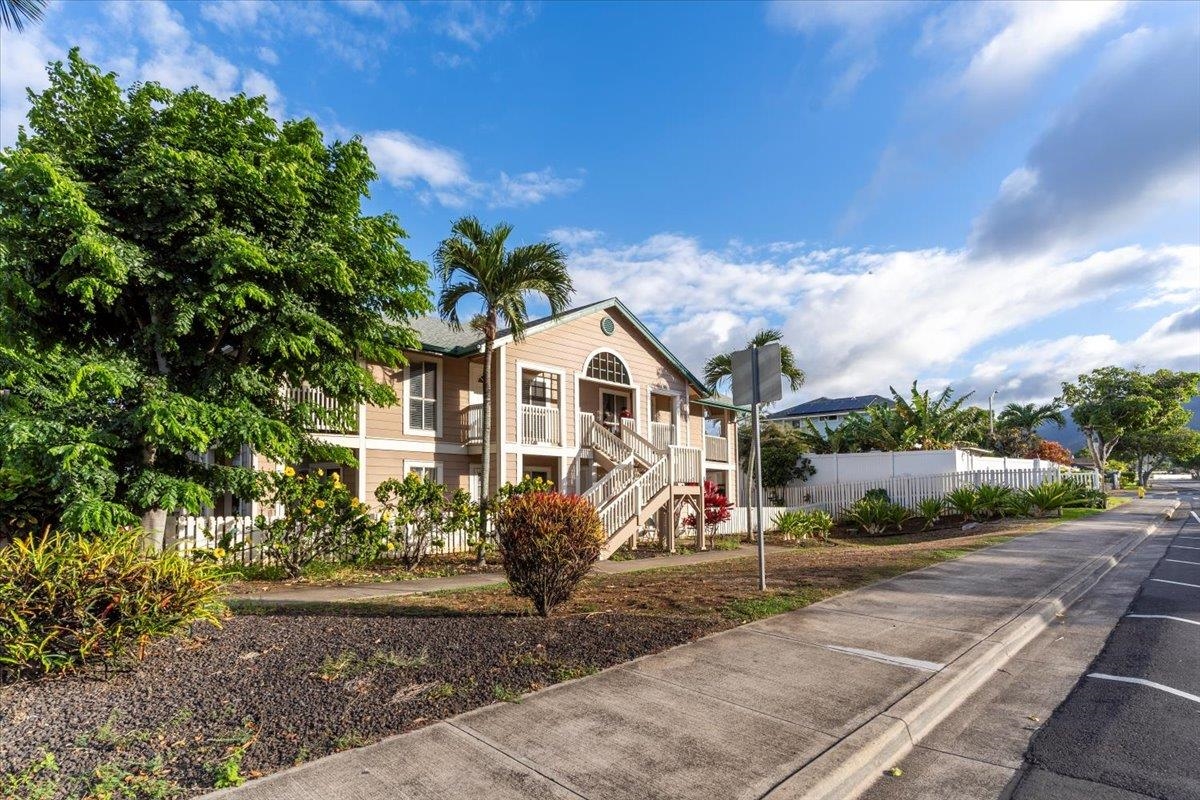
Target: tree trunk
x,y
484,494
154,529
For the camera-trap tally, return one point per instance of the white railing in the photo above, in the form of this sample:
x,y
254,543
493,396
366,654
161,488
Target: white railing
x,y
600,438
908,490
611,485
686,464
323,414
716,448
642,447
471,422
620,510
541,425
652,481
662,434
584,420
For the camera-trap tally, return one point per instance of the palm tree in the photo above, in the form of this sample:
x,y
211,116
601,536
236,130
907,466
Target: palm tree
x,y
1028,417
718,370
934,422
473,262
15,13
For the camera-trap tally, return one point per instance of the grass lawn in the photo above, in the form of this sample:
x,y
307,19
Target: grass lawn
x,y
273,688
1080,513
250,579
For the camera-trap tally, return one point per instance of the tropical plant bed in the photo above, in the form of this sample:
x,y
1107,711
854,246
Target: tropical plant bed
x,y
266,692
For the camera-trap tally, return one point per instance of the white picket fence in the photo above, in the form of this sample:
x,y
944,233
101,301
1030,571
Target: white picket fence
x,y
908,490
245,545
737,522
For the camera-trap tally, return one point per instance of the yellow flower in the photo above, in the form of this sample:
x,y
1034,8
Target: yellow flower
x,y
319,503
354,502
289,472
391,546
526,476
320,472
337,477
218,552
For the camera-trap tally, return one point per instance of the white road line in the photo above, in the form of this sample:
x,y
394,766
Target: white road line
x,y
1179,561
929,666
1188,538
1195,516
1177,583
1163,616
1184,546
1143,682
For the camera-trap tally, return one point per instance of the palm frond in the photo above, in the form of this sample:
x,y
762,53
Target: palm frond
x,y
14,14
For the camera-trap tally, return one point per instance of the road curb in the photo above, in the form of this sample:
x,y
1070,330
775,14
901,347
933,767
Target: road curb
x,y
849,767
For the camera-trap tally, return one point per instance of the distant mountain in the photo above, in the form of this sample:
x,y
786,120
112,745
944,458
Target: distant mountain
x,y
1071,437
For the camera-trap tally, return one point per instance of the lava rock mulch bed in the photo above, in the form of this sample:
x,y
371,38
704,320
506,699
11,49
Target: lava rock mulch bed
x,y
266,692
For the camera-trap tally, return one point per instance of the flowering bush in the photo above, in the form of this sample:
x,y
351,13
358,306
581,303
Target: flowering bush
x,y
548,542
321,519
417,514
717,508
70,600
1053,451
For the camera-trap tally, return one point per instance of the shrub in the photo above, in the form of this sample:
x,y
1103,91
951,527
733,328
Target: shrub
x,y
321,519
792,524
801,524
930,510
878,493
70,601
965,501
993,501
872,515
717,508
416,514
548,542
27,505
898,515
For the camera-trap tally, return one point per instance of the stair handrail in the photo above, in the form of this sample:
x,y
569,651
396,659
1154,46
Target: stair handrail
x,y
642,447
624,506
612,484
601,438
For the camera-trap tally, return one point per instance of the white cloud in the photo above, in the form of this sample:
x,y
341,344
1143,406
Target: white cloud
x,y
1126,145
268,56
860,320
574,237
474,23
857,26
23,59
237,17
441,174
1036,370
1014,43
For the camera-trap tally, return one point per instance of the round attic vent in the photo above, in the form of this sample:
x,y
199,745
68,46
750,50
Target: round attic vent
x,y
608,326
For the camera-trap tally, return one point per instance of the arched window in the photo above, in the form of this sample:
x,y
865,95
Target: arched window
x,y
605,366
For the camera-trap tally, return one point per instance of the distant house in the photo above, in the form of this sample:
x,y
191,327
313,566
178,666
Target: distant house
x,y
829,412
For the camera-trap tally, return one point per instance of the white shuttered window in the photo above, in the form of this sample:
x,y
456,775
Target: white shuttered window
x,y
422,396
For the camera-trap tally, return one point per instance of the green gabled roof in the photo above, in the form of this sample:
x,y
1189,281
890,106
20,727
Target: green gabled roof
x,y
437,336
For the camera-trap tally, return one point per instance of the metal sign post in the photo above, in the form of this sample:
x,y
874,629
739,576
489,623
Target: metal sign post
x,y
757,379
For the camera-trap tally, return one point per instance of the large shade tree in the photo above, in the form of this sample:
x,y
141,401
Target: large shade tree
x,y
475,264
169,262
1112,404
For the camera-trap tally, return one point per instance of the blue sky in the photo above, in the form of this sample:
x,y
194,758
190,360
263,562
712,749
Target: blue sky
x,y
994,195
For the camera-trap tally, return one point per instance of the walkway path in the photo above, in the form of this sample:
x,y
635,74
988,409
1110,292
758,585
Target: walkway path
x,y
814,703
366,591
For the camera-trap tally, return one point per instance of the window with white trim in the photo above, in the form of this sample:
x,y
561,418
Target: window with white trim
x,y
605,366
428,472
539,388
422,396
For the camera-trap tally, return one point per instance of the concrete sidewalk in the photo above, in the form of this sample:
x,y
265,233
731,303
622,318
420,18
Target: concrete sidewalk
x,y
813,704
367,591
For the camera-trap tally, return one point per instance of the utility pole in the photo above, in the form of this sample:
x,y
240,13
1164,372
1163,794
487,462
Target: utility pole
x,y
757,379
991,416
758,489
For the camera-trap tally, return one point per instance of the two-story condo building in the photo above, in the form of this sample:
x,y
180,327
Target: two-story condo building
x,y
590,400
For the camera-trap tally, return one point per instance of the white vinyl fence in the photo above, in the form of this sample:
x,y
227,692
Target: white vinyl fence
x,y
736,524
908,490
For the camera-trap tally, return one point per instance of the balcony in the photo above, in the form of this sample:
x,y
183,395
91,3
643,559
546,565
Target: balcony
x,y
541,425
470,421
716,448
662,434
322,414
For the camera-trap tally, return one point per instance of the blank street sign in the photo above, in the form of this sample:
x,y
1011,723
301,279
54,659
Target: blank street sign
x,y
770,380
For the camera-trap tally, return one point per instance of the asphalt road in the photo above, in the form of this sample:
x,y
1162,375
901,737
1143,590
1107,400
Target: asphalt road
x,y
1131,727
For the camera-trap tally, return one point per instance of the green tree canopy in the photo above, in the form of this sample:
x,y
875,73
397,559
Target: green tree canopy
x,y
1028,417
783,448
169,262
1110,404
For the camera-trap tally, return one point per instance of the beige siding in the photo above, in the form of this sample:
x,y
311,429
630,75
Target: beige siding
x,y
568,347
385,464
388,423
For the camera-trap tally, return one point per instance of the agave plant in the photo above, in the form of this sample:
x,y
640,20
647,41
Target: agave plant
x,y
792,524
818,524
930,510
992,500
898,515
872,515
964,500
1048,498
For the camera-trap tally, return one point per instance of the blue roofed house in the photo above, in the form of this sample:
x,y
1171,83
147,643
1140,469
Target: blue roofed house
x,y
829,412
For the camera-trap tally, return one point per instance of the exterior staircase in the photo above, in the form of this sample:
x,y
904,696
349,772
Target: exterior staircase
x,y
641,479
